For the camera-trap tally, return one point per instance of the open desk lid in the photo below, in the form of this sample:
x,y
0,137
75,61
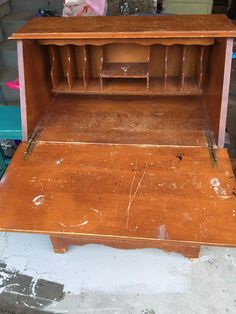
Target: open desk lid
x,y
141,192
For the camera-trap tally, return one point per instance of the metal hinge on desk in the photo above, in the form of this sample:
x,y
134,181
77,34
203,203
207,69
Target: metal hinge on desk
x,y
212,150
32,143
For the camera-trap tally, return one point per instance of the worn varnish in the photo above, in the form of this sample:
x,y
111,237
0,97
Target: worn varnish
x,y
125,120
121,191
131,27
123,126
60,244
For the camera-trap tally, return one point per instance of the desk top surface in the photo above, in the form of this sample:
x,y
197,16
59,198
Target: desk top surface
x,y
128,27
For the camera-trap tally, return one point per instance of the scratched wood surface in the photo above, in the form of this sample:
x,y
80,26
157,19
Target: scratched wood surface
x,y
125,120
128,27
61,244
166,193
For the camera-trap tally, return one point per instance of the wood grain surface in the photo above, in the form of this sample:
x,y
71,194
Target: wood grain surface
x,y
216,89
125,120
171,194
142,41
128,27
61,244
124,162
35,84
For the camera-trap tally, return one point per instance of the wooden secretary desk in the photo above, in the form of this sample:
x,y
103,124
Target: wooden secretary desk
x,y
123,127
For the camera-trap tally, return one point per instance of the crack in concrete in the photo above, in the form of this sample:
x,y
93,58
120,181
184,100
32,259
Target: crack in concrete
x,y
21,293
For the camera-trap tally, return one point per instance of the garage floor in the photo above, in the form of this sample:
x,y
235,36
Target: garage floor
x,y
97,279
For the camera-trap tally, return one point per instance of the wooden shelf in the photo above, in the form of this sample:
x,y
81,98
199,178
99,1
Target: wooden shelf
x,y
125,70
133,87
77,85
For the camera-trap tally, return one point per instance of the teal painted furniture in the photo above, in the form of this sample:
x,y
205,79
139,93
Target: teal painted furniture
x,y
10,129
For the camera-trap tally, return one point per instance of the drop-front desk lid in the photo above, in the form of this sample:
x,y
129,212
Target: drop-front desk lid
x,y
162,193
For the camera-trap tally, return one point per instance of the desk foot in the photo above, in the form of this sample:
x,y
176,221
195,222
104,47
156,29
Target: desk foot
x,y
59,245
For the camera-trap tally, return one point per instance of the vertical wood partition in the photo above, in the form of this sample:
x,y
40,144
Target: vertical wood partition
x,y
86,67
199,69
70,65
148,67
166,67
182,71
56,66
102,52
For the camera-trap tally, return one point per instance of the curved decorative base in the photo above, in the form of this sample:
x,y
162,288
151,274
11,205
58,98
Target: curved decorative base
x,y
61,243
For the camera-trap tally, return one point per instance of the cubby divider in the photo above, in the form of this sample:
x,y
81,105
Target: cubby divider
x,y
136,75
200,67
102,51
166,67
70,65
182,72
86,67
56,66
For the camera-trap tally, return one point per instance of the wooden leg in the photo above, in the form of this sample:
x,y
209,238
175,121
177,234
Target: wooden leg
x,y
188,251
59,245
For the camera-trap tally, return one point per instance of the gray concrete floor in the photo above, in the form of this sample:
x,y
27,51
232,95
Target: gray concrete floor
x,y
95,279
101,280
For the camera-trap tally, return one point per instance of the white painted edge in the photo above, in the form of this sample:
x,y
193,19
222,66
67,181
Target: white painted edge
x,y
21,72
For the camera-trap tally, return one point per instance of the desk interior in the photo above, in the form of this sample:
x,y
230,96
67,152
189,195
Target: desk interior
x,y
177,121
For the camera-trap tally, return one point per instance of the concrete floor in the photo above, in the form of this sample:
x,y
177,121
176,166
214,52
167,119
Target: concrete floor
x,y
101,280
95,279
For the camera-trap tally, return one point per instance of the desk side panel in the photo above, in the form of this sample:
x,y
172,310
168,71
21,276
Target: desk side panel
x,y
217,87
35,84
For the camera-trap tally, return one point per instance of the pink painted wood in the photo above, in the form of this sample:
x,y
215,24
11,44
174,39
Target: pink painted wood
x,y
22,89
225,92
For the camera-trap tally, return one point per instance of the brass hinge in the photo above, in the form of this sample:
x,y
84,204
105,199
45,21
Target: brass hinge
x,y
212,149
32,143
